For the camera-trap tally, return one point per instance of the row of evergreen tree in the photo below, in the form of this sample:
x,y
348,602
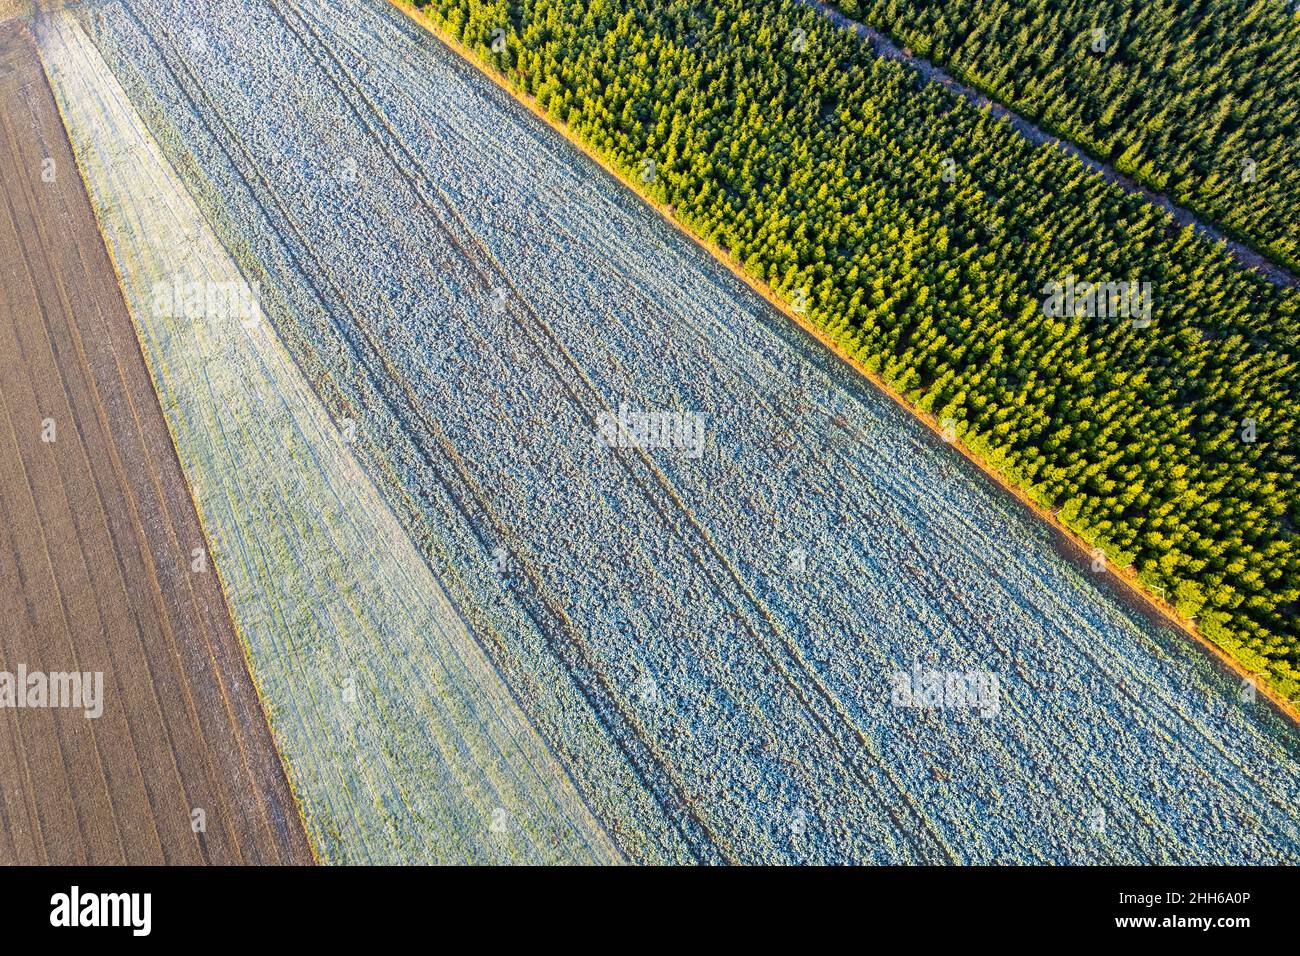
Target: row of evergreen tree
x,y
1200,100
933,242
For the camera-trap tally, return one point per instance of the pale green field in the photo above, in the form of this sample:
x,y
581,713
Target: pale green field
x,y
400,740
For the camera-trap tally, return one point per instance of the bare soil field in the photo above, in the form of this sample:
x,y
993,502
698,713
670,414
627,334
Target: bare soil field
x,y
99,570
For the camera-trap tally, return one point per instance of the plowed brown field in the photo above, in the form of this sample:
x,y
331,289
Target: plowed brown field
x,y
97,537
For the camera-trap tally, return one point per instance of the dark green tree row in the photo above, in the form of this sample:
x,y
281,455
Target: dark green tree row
x,y
1197,99
923,234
